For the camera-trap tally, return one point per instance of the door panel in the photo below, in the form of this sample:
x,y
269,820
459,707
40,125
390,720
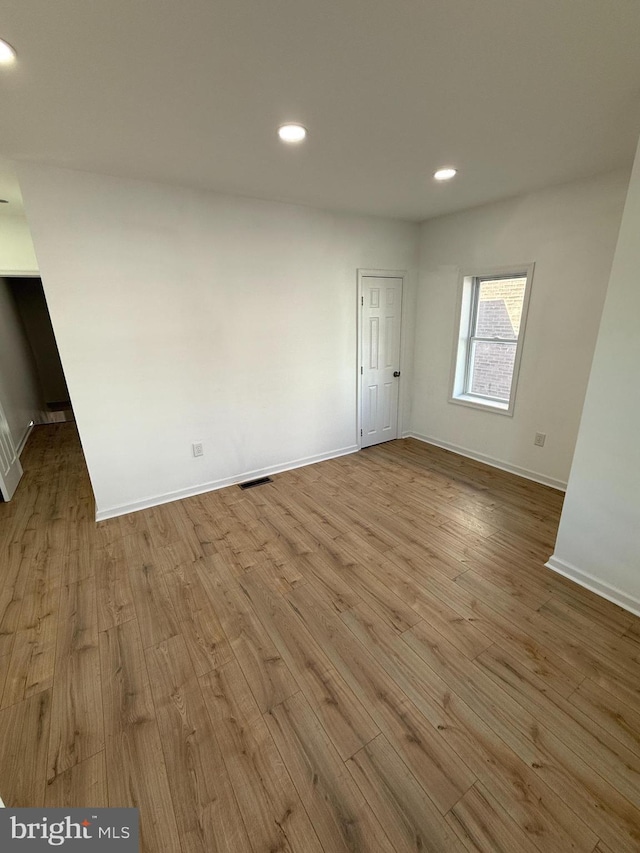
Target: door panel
x,y
380,356
374,340
387,405
10,468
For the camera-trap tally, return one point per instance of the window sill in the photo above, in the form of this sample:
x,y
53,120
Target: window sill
x,y
485,405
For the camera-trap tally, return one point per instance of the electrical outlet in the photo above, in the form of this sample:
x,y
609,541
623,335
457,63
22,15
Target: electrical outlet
x,y
540,439
197,448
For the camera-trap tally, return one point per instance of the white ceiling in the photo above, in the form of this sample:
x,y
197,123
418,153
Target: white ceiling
x,y
518,94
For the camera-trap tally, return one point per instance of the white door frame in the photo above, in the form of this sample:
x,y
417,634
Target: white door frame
x,y
9,450
15,274
363,273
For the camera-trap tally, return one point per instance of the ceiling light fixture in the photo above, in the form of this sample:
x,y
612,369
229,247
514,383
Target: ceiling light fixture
x,y
7,53
445,174
292,132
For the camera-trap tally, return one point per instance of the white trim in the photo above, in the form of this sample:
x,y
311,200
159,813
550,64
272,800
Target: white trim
x,y
490,460
20,273
485,405
24,439
364,273
179,494
605,590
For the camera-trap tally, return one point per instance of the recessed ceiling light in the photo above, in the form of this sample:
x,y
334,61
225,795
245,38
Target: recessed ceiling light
x,y
445,174
292,132
7,53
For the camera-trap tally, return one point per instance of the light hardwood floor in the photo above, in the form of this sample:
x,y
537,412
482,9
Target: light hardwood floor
x,y
365,655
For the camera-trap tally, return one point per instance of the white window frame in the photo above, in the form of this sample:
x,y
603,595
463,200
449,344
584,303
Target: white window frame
x,y
465,313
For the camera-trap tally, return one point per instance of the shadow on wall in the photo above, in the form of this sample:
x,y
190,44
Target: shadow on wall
x,y
34,314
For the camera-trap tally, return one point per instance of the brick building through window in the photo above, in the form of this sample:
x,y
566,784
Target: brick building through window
x,y
499,310
489,344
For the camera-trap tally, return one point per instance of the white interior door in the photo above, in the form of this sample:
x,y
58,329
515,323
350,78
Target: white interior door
x,y
381,317
10,467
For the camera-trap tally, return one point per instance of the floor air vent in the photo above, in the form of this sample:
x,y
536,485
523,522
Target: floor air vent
x,y
259,482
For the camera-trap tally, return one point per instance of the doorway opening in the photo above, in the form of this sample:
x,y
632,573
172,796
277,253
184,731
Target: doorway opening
x,y
33,388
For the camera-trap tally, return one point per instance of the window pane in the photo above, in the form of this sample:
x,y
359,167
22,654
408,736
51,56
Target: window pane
x,y
499,307
491,369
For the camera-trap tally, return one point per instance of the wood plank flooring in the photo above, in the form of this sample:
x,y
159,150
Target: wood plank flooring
x,y
364,655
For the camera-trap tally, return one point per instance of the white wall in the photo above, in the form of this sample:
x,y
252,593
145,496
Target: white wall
x,y
570,233
599,538
16,246
187,316
19,389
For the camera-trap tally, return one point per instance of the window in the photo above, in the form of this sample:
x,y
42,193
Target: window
x,y
492,314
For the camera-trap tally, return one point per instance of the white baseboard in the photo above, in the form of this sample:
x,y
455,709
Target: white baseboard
x,y
490,460
24,439
605,590
168,497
